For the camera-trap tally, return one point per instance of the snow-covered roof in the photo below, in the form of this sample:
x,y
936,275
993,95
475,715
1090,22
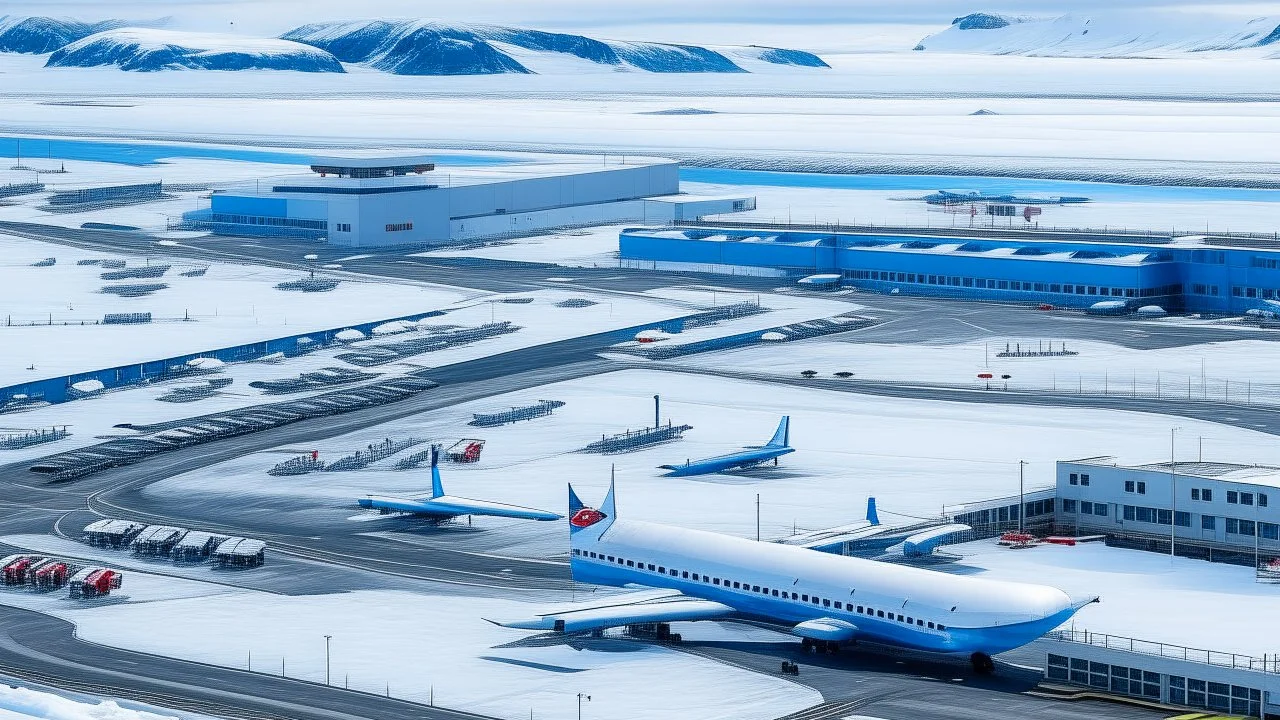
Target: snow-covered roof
x,y
1268,475
240,546
112,527
158,533
197,539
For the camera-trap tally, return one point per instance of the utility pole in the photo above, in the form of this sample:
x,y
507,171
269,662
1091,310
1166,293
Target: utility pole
x,y
757,517
326,658
1022,503
1173,496
580,697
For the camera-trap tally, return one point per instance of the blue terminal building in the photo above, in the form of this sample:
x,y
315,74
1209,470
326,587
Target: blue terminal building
x,y
1180,275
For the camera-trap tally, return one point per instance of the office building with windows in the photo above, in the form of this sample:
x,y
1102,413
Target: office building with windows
x,y
1178,274
408,200
1214,510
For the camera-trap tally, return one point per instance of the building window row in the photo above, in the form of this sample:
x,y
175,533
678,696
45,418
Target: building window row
x,y
1135,486
1265,530
1252,292
344,227
1203,289
727,584
1085,507
1235,497
1203,494
1156,516
1016,285
399,227
269,221
1079,479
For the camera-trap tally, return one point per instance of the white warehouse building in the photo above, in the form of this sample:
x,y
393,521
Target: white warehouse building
x,y
406,200
1214,510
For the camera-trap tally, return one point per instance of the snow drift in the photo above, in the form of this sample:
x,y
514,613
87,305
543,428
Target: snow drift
x,y
420,47
1109,35
146,49
38,35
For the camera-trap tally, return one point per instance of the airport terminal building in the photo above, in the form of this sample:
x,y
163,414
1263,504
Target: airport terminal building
x,y
406,200
1182,274
1214,510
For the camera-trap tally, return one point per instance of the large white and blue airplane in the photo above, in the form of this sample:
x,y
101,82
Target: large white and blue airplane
x,y
823,598
441,507
778,445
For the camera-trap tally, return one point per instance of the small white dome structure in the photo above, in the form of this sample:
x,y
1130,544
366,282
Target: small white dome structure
x,y
1152,311
773,337
349,335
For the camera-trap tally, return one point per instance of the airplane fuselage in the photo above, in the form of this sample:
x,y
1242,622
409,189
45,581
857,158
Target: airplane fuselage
x,y
784,585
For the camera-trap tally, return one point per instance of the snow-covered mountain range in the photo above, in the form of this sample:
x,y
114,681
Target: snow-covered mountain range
x,y
150,49
401,47
421,47
1112,35
39,35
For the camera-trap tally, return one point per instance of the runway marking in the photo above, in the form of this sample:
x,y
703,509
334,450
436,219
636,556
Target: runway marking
x,y
975,327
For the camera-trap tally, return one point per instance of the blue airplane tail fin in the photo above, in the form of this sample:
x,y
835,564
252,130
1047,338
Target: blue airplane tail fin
x,y
872,516
437,488
782,436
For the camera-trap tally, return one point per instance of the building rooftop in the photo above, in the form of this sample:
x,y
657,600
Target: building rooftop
x,y
1020,249
442,176
1227,472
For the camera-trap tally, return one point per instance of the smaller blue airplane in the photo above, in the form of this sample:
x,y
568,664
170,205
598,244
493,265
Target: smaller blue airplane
x,y
440,507
751,456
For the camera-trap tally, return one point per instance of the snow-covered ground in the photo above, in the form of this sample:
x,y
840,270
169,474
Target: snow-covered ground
x,y
914,455
229,305
21,703
541,321
905,207
1243,368
1144,595
417,647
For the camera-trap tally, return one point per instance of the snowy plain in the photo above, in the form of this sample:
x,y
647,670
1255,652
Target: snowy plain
x,y
18,702
1239,370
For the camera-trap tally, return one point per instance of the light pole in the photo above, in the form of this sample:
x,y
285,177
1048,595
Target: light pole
x,y
1173,495
326,658
1022,503
580,697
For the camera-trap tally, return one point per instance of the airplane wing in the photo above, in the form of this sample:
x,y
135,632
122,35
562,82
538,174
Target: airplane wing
x,y
669,608
448,504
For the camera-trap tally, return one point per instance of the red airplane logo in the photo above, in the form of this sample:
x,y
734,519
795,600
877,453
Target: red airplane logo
x,y
586,517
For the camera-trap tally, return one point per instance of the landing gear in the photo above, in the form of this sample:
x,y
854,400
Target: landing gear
x,y
819,646
982,663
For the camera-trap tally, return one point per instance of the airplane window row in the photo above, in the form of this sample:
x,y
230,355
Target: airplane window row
x,y
746,587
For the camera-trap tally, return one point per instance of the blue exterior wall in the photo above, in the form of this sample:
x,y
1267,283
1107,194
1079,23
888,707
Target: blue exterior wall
x,y
249,205
55,390
1069,274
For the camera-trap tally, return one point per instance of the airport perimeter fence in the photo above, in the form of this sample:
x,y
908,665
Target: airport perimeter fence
x,y
1155,386
1267,664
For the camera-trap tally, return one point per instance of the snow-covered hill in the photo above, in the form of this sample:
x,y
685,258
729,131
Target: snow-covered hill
x,y
148,49
39,35
1112,35
420,47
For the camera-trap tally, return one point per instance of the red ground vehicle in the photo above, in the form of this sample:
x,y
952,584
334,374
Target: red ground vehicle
x,y
51,576
16,566
95,582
